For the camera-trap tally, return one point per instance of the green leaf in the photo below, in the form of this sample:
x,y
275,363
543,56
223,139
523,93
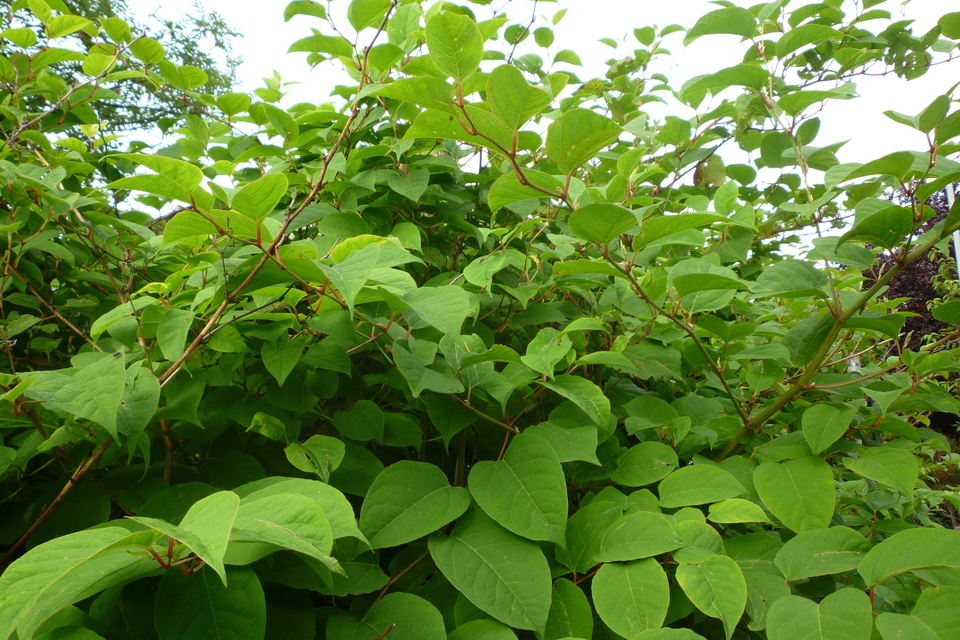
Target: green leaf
x,y
886,228
412,185
282,355
695,282
654,229
455,44
22,37
407,501
401,616
485,629
525,492
570,613
732,20
173,331
66,24
799,492
909,550
633,597
319,454
950,25
585,395
792,279
364,421
366,13
137,406
802,36
805,338
304,8
717,588
501,573
577,136
62,564
184,77
444,308
238,612
821,552
736,510
668,634
185,175
280,521
895,164
350,275
842,615
567,56
319,43
698,484
419,376
205,529
825,423
425,91
93,392
601,222
570,443
948,312
546,349
644,464
147,50
512,98
508,189
333,503
584,535
935,616
259,198
894,467
741,75
641,534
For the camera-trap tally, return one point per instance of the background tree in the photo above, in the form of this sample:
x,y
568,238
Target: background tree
x,y
201,39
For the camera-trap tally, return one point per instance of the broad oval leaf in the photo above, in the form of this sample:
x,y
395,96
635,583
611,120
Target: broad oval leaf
x,y
499,572
238,611
259,198
402,616
736,510
525,492
842,615
730,20
909,550
935,616
576,136
698,484
407,501
644,464
455,44
825,423
717,588
821,552
205,529
571,615
638,535
601,222
585,394
800,492
897,468
633,597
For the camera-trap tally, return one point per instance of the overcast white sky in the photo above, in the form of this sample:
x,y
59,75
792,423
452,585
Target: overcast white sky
x,y
267,38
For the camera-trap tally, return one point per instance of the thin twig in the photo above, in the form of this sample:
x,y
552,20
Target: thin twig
x,y
393,580
71,483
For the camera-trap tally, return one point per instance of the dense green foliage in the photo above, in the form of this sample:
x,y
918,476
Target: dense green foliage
x,y
485,353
